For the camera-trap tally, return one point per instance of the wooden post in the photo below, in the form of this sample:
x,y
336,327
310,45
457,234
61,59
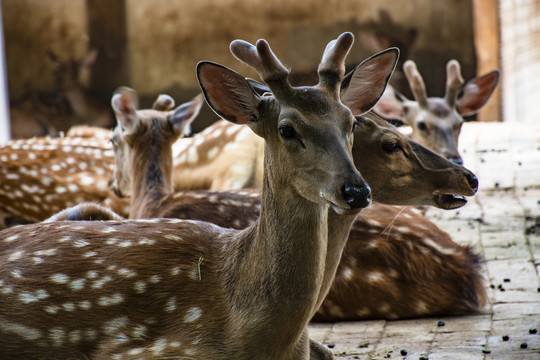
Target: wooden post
x,y
107,32
487,45
5,132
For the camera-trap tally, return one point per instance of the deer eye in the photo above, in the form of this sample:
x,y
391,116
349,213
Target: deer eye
x,y
421,126
355,124
287,132
390,146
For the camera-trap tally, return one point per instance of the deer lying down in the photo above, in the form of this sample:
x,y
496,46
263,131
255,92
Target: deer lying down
x,y
163,288
436,121
68,104
41,176
390,250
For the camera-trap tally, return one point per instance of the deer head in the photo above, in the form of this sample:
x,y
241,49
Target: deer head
x,y
436,121
160,127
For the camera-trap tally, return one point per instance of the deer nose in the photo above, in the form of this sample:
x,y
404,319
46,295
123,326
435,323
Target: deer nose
x,y
357,196
473,182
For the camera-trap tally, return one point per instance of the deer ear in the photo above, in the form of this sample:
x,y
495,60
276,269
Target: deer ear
x,y
90,58
163,103
362,87
476,92
182,117
257,87
125,103
228,93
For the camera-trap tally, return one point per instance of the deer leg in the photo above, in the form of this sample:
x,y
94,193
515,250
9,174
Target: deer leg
x,y
318,351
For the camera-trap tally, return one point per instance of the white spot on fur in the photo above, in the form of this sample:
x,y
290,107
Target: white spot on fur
x,y
16,255
193,314
23,331
127,273
155,279
192,155
92,274
139,331
111,327
175,271
75,336
98,284
59,278
170,306
28,297
11,238
136,351
89,254
158,346
68,306
52,309
374,276
114,299
77,285
57,336
140,286
213,152
85,305
347,273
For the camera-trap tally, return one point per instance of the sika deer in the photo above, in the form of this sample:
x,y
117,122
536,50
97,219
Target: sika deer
x,y
68,104
436,122
171,288
83,107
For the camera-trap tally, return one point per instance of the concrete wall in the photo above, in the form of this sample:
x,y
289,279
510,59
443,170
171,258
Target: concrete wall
x,y
520,59
166,38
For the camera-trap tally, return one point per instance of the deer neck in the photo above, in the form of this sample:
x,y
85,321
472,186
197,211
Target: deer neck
x,y
279,265
339,227
151,177
80,103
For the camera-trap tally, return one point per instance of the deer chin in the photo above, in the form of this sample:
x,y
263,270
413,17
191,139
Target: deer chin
x,y
449,201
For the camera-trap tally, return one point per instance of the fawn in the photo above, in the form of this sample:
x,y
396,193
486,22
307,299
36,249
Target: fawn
x,y
161,288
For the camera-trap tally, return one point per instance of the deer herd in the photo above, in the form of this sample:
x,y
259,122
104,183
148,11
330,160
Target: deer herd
x,y
298,205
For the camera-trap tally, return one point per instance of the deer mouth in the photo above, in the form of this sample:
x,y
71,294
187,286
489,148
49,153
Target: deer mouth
x,y
449,201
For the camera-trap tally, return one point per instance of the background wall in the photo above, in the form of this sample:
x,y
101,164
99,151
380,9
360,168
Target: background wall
x,y
520,59
153,46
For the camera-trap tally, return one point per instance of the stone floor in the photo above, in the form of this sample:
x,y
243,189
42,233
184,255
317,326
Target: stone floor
x,y
503,222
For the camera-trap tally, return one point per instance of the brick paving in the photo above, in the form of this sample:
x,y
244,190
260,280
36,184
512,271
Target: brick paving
x,y
503,223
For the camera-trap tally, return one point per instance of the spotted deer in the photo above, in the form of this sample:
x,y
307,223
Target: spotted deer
x,y
404,243
83,106
41,176
69,103
436,121
171,288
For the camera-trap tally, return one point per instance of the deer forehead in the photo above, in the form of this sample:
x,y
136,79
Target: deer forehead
x,y
440,110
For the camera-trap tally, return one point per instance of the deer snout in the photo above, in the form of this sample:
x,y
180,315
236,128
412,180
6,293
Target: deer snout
x,y
357,196
473,182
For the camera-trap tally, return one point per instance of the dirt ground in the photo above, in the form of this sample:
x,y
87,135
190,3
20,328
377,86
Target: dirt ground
x,y
503,223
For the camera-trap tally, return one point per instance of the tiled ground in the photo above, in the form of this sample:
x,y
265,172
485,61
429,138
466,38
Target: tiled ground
x,y
503,222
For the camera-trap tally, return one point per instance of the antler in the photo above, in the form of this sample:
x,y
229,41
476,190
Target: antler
x,y
454,82
265,62
332,67
416,83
